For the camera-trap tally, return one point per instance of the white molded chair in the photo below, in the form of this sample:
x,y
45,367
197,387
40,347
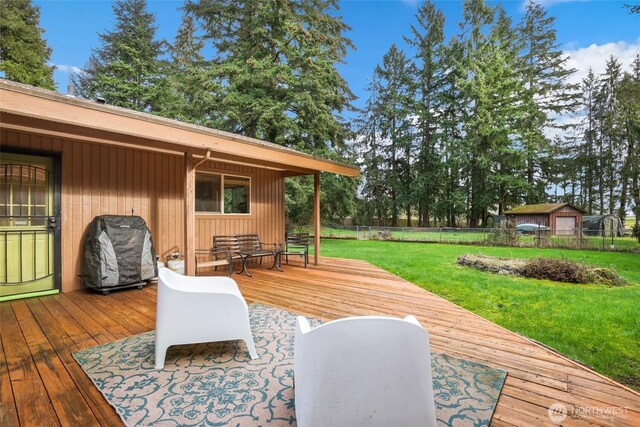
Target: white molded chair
x,y
363,371
199,309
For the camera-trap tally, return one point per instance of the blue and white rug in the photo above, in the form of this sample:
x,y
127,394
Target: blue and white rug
x,y
217,384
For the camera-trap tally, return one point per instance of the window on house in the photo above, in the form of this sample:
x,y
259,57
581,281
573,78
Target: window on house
x,y
236,195
222,194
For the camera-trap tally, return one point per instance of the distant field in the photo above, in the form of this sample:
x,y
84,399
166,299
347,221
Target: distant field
x,y
597,325
477,236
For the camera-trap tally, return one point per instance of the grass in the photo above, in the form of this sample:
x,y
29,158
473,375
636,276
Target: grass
x,y
594,324
479,237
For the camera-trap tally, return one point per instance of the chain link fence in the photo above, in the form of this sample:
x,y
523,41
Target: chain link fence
x,y
576,239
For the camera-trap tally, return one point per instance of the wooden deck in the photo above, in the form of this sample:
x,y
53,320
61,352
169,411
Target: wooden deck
x,y
42,385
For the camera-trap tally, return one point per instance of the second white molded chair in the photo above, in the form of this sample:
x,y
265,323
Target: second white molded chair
x,y
363,371
199,309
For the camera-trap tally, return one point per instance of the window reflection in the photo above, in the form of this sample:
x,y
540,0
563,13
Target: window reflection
x,y
222,194
236,195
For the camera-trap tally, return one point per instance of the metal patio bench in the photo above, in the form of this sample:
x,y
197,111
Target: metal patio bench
x,y
251,247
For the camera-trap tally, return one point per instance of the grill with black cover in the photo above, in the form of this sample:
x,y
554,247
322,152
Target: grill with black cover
x,y
118,253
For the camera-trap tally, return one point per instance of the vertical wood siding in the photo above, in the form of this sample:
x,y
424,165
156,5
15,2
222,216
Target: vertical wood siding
x,y
99,179
267,207
548,219
542,219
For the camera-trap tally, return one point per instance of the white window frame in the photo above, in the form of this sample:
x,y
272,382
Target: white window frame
x,y
222,178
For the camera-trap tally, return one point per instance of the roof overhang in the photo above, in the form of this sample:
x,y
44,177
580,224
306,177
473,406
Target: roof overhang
x,y
39,111
541,209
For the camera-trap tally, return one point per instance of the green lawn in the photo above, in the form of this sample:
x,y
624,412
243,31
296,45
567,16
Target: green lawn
x,y
480,237
597,325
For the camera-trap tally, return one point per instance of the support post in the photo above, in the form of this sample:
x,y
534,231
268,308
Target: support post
x,y
189,215
316,217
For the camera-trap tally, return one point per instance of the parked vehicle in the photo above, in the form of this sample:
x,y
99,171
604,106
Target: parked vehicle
x,y
531,228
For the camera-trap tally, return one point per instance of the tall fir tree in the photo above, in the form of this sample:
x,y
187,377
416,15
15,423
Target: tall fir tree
x,y
492,88
276,66
24,53
477,17
455,159
275,78
611,134
509,112
395,111
549,93
369,146
578,165
629,99
126,70
191,91
428,37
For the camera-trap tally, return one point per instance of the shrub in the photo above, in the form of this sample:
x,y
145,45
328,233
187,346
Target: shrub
x,y
507,236
386,235
635,231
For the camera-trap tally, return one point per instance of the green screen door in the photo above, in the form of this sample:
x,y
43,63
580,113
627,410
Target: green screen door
x,y
27,226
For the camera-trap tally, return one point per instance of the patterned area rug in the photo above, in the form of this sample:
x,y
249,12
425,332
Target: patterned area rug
x,y
217,384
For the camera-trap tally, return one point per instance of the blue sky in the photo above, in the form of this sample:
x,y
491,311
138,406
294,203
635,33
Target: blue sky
x,y
589,31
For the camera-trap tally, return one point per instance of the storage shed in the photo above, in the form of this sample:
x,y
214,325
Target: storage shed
x,y
561,218
65,160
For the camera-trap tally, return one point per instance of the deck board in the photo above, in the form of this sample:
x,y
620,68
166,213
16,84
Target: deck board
x,y
41,384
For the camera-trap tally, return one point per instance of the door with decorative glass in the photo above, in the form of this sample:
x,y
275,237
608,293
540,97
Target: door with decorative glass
x,y
29,226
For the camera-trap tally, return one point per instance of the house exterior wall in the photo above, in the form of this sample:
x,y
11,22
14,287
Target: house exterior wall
x,y
267,207
100,179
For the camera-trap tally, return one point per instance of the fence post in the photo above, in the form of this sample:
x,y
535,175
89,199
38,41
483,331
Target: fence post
x,y
440,230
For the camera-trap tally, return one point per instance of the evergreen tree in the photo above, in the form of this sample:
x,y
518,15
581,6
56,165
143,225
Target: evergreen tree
x,y
629,101
510,113
611,134
455,158
276,66
476,118
191,91
428,39
578,163
492,88
23,52
126,70
274,77
548,94
370,150
395,113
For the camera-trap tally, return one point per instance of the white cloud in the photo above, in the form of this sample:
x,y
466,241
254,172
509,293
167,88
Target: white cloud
x,y
596,57
548,3
67,68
